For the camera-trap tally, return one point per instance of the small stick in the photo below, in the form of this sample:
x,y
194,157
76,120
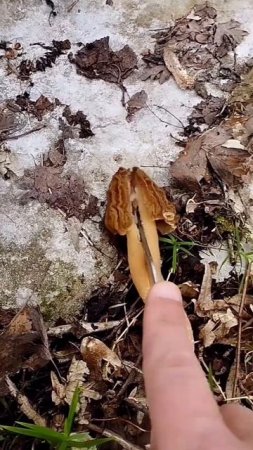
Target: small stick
x,y
239,337
108,433
23,134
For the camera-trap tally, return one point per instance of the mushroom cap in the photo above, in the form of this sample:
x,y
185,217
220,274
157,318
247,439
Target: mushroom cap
x,y
119,216
154,198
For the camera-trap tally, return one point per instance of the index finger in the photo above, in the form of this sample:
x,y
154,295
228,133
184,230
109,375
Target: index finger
x,y
181,403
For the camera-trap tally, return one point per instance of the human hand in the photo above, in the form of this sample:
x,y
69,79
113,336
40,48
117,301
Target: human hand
x,y
184,414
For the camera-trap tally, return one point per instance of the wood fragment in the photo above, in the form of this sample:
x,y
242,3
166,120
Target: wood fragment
x,y
239,337
24,404
182,78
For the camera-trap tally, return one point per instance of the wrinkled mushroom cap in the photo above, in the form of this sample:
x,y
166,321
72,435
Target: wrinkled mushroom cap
x,y
119,217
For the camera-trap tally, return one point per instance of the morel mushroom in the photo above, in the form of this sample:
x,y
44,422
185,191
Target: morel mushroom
x,y
137,208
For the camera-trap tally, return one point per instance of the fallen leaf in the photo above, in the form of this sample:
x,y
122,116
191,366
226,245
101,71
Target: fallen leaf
x,y
233,143
27,67
232,165
97,60
57,155
199,44
24,344
152,72
37,108
76,378
78,120
10,163
189,290
208,111
218,327
135,103
66,193
95,352
230,29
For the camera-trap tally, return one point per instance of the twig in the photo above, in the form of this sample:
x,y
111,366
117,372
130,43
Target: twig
x,y
170,113
161,120
23,134
130,378
69,9
122,420
24,404
108,433
239,337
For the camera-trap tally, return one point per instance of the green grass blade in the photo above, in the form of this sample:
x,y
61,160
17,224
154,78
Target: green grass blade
x,y
43,431
72,410
88,444
35,434
63,446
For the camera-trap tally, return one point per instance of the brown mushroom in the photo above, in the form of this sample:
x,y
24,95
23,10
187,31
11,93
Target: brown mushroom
x,y
137,208
133,195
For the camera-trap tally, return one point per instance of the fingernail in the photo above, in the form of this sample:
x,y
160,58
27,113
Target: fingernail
x,y
166,291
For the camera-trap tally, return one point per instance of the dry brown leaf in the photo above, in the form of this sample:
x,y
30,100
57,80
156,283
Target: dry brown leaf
x,y
95,352
232,165
230,30
135,103
24,342
9,163
97,60
218,327
63,393
189,290
37,108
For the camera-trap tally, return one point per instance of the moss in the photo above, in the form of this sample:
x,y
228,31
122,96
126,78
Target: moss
x,y
59,289
225,225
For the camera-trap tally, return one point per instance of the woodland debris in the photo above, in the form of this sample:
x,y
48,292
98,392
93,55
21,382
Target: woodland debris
x,y
97,60
79,121
27,67
198,43
9,163
46,184
24,344
76,378
135,103
37,108
95,353
11,120
24,404
232,165
182,78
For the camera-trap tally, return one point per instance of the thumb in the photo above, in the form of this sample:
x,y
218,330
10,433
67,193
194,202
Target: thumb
x,y
178,394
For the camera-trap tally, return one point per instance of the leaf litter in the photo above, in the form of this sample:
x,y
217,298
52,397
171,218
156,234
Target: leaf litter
x,y
220,157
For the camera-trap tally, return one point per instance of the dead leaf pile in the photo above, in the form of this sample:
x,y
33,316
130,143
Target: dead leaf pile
x,y
97,60
66,193
37,108
27,66
24,343
197,47
222,314
219,149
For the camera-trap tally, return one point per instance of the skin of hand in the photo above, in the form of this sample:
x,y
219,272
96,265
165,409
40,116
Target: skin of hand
x,y
184,414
